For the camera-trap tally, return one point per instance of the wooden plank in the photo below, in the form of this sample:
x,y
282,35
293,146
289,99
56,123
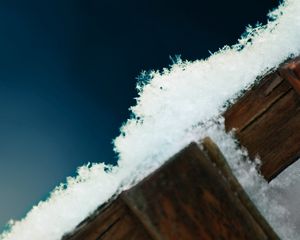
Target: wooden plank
x,y
128,228
267,122
113,221
275,136
216,156
256,102
194,195
291,72
188,198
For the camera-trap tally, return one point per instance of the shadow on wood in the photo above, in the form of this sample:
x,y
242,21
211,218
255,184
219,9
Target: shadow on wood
x,y
267,121
194,195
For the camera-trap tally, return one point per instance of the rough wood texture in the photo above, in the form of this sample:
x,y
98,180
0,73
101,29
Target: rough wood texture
x,y
267,122
193,196
257,101
216,156
114,221
191,199
291,72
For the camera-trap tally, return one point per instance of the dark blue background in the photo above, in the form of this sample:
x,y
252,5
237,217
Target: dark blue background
x,y
68,71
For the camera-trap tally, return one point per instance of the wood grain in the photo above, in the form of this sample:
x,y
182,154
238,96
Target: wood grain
x,y
190,199
113,221
266,121
192,196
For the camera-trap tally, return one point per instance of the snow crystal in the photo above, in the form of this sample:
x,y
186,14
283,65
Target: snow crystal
x,y
174,107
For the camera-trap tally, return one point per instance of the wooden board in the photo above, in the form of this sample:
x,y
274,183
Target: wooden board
x,y
114,221
267,122
192,196
195,195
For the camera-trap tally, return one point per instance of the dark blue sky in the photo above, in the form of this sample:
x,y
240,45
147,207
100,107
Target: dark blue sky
x,y
68,71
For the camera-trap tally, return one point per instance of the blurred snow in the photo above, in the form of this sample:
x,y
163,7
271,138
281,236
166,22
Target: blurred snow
x,y
286,188
281,212
174,107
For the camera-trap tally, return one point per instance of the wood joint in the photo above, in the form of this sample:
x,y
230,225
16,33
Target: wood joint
x,y
291,72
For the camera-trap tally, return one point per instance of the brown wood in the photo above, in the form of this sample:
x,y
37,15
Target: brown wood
x,y
266,121
113,221
255,102
291,72
216,156
192,196
191,199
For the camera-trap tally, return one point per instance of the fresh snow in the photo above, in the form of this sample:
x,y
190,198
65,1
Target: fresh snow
x,y
174,107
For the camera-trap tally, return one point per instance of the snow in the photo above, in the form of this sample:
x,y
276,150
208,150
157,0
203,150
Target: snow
x,y
174,107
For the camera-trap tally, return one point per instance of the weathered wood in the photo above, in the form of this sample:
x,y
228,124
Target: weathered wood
x,y
255,102
267,122
219,160
190,199
291,72
192,196
114,221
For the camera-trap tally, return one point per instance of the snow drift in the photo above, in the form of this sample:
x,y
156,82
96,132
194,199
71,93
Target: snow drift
x,y
174,107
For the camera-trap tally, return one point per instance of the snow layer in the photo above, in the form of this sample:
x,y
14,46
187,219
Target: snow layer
x,y
174,107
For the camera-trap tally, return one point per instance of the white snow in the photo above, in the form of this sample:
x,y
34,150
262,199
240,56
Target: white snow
x,y
174,107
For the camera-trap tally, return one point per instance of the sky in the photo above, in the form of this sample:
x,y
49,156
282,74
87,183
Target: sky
x,y
68,72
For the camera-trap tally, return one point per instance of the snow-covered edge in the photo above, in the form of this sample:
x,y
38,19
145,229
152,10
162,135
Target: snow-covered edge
x,y
166,118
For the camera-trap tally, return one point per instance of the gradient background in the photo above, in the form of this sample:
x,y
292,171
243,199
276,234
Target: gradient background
x,y
68,70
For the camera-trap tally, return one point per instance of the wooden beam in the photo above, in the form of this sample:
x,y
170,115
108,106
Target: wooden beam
x,y
114,221
266,120
291,72
194,195
219,160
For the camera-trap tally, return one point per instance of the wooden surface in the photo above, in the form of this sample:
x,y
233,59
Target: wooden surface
x,y
291,72
267,122
217,158
114,222
192,196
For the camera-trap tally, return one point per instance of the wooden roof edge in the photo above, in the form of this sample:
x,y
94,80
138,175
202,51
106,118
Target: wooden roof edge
x,y
217,157
273,87
136,199
265,119
90,217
